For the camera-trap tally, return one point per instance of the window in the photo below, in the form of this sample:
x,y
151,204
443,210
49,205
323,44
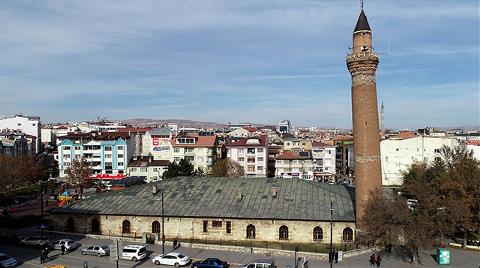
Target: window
x,y
143,169
241,159
66,148
155,227
228,227
205,226
108,155
259,150
125,227
200,159
386,158
317,234
260,168
260,159
251,160
397,149
155,169
347,235
437,151
241,150
283,232
437,159
251,169
77,147
216,223
189,150
19,124
134,169
176,159
119,148
251,231
250,150
120,163
176,150
66,156
108,148
77,156
120,156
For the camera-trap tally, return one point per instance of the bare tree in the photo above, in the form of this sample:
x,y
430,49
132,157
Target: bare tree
x,y
78,172
227,168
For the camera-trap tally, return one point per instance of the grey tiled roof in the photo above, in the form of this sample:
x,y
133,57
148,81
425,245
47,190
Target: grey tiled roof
x,y
213,197
164,131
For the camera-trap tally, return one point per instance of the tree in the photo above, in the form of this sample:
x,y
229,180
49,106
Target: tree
x,y
227,168
16,172
78,172
183,168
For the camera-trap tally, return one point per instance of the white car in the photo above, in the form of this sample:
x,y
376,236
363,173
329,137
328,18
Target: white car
x,y
36,241
173,258
7,261
134,252
69,244
96,250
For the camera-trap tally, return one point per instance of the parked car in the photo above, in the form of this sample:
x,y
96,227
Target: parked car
x,y
210,263
36,241
269,263
69,244
173,258
134,252
7,261
96,250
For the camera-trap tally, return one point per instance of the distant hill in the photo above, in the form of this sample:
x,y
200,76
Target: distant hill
x,y
146,122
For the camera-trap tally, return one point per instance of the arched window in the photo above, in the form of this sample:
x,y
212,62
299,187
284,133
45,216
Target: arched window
x,y
348,235
317,234
95,226
125,227
155,227
251,231
70,225
283,232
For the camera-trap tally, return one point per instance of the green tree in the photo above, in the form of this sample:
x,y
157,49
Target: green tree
x,y
78,172
227,168
183,168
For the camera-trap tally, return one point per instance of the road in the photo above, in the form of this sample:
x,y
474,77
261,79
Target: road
x,y
29,257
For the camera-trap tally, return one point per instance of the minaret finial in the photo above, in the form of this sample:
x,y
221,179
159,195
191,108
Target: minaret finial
x,y
361,4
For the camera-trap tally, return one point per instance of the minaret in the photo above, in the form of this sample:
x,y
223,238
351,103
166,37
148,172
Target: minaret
x,y
382,120
362,64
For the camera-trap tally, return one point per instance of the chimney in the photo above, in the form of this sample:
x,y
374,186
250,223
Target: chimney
x,y
154,189
239,196
150,159
275,190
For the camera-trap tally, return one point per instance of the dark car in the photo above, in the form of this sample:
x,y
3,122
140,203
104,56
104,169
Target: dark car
x,y
210,263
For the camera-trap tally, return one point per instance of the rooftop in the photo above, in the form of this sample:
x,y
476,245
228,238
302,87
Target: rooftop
x,y
220,197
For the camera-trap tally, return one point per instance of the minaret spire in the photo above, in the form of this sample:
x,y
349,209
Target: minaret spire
x,y
361,4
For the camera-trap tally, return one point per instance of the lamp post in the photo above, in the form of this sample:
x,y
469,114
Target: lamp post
x,y
163,227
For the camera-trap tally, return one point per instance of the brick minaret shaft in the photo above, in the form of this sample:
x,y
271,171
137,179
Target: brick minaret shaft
x,y
362,64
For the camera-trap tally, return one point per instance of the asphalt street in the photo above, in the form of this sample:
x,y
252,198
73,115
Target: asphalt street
x,y
29,257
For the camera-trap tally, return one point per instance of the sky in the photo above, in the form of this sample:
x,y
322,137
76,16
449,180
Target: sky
x,y
237,61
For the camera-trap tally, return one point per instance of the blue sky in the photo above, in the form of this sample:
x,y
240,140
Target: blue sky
x,y
230,61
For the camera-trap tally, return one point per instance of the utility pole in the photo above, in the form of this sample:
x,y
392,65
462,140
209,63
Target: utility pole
x,y
163,227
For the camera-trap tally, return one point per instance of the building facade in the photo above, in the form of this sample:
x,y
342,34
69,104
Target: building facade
x,y
200,151
251,154
214,215
324,161
157,143
399,154
147,167
30,125
291,164
13,144
107,153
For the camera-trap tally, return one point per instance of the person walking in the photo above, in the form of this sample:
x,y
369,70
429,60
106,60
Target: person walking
x,y
378,261
42,256
372,260
62,248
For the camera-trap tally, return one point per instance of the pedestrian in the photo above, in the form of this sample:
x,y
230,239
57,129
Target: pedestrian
x,y
85,264
378,260
175,244
62,248
372,260
42,256
336,256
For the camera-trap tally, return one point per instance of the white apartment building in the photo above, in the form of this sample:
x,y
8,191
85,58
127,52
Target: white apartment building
x,y
251,154
30,125
199,150
399,154
148,168
324,161
108,153
291,164
157,143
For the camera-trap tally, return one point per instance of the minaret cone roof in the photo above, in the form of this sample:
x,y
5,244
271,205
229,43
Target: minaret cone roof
x,y
362,23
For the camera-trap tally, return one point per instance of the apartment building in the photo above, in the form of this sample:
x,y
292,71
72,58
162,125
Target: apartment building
x,y
324,161
198,149
251,154
13,144
29,125
157,143
290,164
399,154
147,167
297,145
108,153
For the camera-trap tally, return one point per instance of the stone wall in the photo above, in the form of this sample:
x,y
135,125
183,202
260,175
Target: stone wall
x,y
192,228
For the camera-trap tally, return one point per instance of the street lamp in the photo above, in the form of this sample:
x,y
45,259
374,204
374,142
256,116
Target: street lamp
x,y
330,254
154,192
